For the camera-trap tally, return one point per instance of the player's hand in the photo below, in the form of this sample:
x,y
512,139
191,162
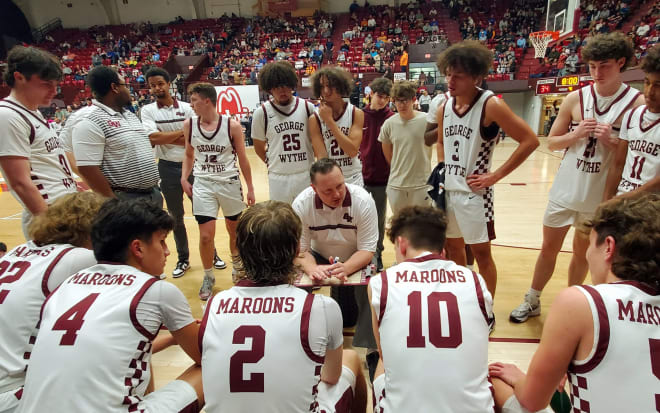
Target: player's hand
x,y
320,273
603,133
187,187
481,181
250,197
325,112
586,127
509,373
338,270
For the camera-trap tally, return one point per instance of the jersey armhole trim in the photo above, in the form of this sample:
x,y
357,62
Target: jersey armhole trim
x,y
582,102
383,297
263,108
304,330
483,129
49,270
134,303
190,124
630,116
32,132
480,296
307,108
202,326
602,341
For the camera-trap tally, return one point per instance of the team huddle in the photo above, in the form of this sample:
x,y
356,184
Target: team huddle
x,y
82,302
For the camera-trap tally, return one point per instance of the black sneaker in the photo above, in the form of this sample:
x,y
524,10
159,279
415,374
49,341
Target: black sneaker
x,y
218,263
491,325
180,269
379,264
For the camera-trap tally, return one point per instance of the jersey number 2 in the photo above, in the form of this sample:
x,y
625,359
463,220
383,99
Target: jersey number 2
x,y
255,384
72,320
18,268
453,333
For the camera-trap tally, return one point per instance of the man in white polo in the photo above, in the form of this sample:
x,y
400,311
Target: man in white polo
x,y
339,236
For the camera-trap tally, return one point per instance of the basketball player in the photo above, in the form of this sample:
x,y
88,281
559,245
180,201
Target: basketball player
x,y
59,247
587,129
288,329
336,128
279,132
636,165
409,303
467,131
163,121
605,336
31,158
94,346
409,157
213,143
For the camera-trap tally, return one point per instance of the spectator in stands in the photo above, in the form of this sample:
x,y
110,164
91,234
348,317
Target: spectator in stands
x,y
424,100
403,61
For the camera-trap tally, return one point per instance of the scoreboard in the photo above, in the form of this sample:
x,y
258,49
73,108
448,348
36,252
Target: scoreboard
x,y
560,85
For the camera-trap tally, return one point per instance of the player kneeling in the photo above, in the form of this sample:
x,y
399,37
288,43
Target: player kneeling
x,y
94,345
430,319
605,336
269,346
58,248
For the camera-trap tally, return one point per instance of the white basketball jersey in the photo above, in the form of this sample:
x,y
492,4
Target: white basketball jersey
x,y
580,180
255,340
289,150
91,353
49,168
468,149
641,129
24,273
433,324
349,166
215,156
622,372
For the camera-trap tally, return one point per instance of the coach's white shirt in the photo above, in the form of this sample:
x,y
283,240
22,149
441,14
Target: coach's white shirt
x,y
160,118
341,231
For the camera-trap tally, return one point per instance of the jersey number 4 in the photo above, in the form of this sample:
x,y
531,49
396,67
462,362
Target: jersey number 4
x,y
442,334
255,384
14,273
72,320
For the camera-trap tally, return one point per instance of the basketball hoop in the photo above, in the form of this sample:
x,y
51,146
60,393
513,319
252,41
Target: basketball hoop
x,y
540,41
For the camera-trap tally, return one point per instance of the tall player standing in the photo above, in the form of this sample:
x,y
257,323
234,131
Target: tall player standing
x,y
288,331
606,336
279,132
59,247
410,303
336,128
636,165
587,129
93,350
467,133
31,157
214,143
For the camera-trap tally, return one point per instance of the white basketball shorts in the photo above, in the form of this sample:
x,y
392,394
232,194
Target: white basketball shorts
x,y
556,216
470,216
209,196
9,400
286,188
177,396
339,397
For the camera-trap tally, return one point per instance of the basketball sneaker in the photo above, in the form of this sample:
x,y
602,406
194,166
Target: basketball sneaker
x,y
529,308
218,263
207,288
180,269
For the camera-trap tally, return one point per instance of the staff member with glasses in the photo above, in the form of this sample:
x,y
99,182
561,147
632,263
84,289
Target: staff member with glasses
x,y
402,137
111,146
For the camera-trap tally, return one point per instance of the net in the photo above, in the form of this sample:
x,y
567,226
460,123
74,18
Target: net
x,y
540,41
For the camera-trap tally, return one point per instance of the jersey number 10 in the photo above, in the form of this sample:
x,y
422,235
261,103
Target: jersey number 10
x,y
453,333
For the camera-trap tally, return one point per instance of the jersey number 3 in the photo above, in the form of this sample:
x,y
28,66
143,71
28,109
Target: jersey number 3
x,y
449,335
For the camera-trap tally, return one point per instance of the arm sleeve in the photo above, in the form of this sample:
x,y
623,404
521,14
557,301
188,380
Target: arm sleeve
x,y
164,303
384,135
148,120
17,135
88,143
325,325
72,262
258,123
305,236
367,236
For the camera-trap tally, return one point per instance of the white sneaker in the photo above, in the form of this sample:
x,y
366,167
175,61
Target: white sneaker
x,y
180,269
218,263
525,310
207,288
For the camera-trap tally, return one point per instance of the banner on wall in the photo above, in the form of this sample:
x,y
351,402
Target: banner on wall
x,y
400,76
235,100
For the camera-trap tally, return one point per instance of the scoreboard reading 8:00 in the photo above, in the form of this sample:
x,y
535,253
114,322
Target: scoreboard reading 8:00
x,y
564,84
